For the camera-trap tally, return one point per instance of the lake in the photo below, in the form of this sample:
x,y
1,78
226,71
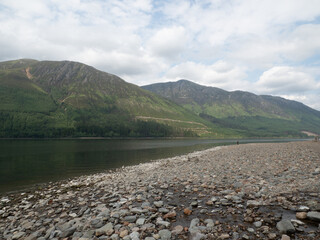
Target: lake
x,y
24,163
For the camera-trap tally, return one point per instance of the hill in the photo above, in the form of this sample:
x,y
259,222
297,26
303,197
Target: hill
x,y
249,114
60,99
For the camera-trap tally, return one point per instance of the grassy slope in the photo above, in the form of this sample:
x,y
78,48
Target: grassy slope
x,y
248,114
62,97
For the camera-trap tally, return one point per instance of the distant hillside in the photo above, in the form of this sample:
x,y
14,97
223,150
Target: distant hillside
x,y
251,115
59,99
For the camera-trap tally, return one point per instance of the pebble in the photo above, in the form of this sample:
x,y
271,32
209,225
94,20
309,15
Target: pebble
x,y
285,226
233,192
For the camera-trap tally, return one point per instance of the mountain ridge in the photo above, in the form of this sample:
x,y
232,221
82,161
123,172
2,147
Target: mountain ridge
x,y
234,108
70,95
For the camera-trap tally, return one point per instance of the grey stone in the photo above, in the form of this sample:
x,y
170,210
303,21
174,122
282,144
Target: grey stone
x,y
134,236
285,226
257,224
158,204
105,230
197,236
163,210
140,221
67,232
253,203
315,216
164,234
130,219
114,237
149,238
18,235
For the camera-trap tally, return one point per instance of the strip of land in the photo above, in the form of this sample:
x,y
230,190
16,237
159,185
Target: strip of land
x,y
251,191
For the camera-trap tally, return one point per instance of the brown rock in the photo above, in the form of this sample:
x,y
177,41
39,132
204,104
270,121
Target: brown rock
x,y
224,236
123,233
187,211
285,237
172,214
177,230
301,215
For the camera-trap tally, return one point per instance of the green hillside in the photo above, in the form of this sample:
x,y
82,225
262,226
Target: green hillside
x,y
248,114
62,99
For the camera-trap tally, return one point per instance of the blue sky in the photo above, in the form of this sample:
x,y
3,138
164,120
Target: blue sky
x,y
265,47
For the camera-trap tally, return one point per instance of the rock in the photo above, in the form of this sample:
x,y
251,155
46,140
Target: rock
x,y
123,233
272,235
130,219
285,237
253,203
315,216
163,223
303,209
257,224
165,234
187,211
140,221
158,204
149,238
197,236
163,210
194,204
224,236
67,232
114,237
285,226
105,230
170,215
301,215
134,236
18,235
177,230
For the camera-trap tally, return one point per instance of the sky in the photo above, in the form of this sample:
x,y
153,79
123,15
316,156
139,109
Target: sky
x,y
262,46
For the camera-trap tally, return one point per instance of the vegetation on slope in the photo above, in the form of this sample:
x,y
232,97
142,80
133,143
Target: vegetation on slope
x,y
246,113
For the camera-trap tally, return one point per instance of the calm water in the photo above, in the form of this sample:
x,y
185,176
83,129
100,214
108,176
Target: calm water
x,y
24,163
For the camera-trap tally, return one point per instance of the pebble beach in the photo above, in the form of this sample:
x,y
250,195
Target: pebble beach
x,y
246,191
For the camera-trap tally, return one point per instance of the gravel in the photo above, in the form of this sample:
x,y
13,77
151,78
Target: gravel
x,y
251,191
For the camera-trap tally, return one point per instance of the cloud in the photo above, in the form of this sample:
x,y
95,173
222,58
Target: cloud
x,y
284,79
270,47
168,42
220,74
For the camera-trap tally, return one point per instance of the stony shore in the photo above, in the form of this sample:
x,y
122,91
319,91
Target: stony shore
x,y
251,191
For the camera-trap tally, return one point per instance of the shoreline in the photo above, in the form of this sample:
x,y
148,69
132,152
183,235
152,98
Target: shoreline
x,y
226,192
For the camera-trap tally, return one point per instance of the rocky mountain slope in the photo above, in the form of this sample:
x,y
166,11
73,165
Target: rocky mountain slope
x,y
250,114
54,99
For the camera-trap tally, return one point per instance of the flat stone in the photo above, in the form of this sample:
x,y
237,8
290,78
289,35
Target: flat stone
x,y
105,230
165,234
130,219
177,230
140,221
68,232
315,216
123,233
285,226
158,204
224,236
253,203
18,235
134,236
285,237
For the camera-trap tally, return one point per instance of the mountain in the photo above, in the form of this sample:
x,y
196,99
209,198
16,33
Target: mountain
x,y
64,98
249,114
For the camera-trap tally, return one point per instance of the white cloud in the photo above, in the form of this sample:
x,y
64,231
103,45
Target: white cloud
x,y
168,42
284,79
219,74
217,43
